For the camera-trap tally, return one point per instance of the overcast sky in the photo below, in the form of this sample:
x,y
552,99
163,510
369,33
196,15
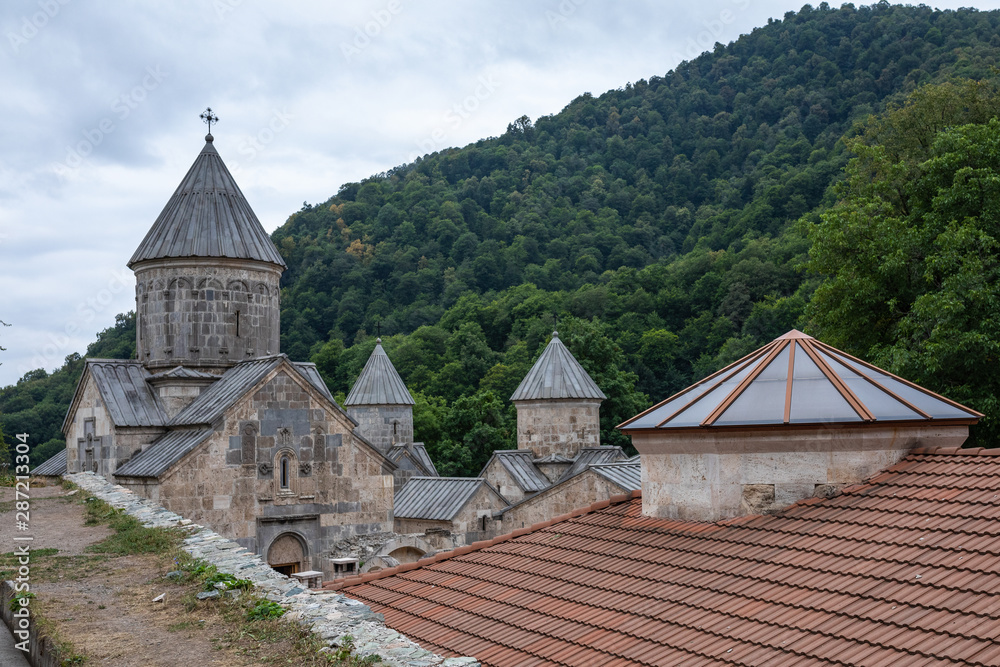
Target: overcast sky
x,y
99,106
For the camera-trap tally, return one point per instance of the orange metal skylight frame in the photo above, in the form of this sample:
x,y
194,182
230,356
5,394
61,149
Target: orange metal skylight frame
x,y
815,350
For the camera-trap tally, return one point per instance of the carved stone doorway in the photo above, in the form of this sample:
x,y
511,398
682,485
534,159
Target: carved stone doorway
x,y
287,554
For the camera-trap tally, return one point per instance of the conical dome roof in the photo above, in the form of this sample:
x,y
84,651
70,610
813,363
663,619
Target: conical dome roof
x,y
207,216
796,379
557,374
379,383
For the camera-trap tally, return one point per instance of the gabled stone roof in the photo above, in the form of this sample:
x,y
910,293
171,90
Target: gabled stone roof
x,y
897,571
557,374
379,383
796,379
207,216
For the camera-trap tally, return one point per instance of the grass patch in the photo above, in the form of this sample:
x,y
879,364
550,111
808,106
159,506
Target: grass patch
x,y
68,655
130,537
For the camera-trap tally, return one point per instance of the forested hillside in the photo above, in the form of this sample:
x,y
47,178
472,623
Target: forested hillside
x,y
657,221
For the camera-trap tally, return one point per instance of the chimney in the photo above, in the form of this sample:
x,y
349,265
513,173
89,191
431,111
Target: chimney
x,y
797,418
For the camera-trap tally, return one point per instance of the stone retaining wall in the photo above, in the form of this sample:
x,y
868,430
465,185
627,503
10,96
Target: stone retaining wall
x,y
327,614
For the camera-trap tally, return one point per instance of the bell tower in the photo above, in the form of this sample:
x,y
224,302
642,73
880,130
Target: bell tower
x,y
207,276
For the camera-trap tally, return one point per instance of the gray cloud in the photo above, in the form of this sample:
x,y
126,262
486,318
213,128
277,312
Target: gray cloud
x,y
99,113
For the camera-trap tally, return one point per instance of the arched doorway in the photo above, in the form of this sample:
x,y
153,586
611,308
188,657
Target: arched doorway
x,y
287,554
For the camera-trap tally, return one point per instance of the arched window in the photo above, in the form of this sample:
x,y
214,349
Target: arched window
x,y
284,473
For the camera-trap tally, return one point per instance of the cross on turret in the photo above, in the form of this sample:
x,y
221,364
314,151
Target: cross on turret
x,y
209,117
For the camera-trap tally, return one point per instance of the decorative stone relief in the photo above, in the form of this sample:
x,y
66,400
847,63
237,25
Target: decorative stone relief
x,y
264,468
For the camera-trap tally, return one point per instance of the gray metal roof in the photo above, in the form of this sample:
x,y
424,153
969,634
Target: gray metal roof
x,y
417,454
165,451
126,395
557,374
519,463
419,451
379,383
437,498
796,379
207,216
311,373
53,467
625,474
216,399
588,456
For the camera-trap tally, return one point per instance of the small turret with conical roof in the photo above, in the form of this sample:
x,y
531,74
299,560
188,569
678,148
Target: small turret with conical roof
x,y
558,405
206,276
380,403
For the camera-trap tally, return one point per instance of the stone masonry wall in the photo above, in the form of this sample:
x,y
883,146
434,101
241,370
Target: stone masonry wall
x,y
496,475
579,491
329,615
384,425
337,486
558,427
211,314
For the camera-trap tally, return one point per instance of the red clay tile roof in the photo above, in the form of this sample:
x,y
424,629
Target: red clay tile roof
x,y
903,570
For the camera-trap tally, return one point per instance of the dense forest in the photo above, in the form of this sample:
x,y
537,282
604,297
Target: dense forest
x,y
667,224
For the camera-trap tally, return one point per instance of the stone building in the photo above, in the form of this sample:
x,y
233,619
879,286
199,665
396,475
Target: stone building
x,y
795,419
212,420
558,430
382,406
448,511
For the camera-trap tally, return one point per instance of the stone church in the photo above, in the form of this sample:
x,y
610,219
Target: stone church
x,y
211,420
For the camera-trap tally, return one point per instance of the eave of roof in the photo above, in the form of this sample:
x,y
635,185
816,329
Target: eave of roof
x,y
53,467
861,578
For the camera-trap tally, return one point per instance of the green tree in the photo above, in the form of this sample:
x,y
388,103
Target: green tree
x,y
911,251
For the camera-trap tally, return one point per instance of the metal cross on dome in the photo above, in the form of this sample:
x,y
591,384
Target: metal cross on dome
x,y
209,118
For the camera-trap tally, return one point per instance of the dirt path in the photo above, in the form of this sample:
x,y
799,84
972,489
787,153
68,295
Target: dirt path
x,y
102,604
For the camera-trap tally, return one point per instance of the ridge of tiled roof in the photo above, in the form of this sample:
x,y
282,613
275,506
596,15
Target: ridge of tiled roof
x,y
379,383
557,374
207,216
900,569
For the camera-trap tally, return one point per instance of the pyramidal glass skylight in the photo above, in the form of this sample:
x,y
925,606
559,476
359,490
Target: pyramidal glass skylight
x,y
796,379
